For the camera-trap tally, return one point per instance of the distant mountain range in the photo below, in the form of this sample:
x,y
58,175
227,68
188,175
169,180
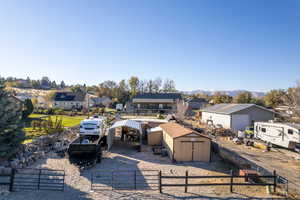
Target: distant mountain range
x,y
232,93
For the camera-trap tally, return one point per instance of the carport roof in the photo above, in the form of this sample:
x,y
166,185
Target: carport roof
x,y
230,108
127,123
176,130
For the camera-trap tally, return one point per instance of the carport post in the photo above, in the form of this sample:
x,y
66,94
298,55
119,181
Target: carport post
x,y
186,181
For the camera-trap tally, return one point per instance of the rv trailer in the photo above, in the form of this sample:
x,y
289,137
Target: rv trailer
x,y
281,134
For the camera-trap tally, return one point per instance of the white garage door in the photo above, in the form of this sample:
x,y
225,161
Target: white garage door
x,y
240,122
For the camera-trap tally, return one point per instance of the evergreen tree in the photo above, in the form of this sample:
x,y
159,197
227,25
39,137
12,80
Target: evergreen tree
x,y
11,134
28,108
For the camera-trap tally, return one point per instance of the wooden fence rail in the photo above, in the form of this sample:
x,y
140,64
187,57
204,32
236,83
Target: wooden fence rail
x,y
187,177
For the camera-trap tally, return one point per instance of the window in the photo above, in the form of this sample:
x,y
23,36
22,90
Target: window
x,y
290,131
263,130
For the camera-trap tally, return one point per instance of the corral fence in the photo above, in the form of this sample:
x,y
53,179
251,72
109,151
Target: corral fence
x,y
33,179
197,181
124,180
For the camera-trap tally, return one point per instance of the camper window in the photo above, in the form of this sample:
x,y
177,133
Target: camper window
x,y
263,130
290,131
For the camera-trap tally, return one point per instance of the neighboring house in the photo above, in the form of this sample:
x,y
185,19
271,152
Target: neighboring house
x,y
156,102
236,116
41,102
23,96
69,100
184,144
196,103
100,101
284,111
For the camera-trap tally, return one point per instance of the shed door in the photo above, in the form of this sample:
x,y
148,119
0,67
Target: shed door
x,y
240,122
200,149
184,151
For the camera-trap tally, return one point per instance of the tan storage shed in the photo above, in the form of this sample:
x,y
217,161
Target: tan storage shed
x,y
154,136
185,144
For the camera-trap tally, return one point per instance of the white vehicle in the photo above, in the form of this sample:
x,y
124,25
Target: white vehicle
x,y
119,107
281,134
92,126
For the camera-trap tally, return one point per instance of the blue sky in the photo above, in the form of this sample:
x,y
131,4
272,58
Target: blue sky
x,y
201,44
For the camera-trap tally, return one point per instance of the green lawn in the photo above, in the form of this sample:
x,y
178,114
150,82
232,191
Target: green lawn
x,y
67,121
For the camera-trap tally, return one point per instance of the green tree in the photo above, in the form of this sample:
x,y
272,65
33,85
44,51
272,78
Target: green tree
x,y
258,101
62,85
243,97
218,98
11,134
28,108
274,98
134,85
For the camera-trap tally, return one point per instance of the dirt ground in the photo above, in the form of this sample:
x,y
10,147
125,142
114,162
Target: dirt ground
x,y
78,184
285,162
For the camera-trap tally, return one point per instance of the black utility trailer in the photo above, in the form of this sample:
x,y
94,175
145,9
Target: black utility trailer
x,y
85,149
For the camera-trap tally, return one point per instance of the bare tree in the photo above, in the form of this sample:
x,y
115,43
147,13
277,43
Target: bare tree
x,y
292,100
182,108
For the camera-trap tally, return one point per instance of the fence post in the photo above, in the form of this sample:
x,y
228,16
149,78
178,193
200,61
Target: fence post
x,y
39,181
186,181
12,178
231,181
275,180
159,182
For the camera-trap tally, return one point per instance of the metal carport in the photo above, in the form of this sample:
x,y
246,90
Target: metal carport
x,y
124,123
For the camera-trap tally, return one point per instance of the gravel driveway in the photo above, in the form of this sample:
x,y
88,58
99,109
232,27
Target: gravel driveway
x,y
78,184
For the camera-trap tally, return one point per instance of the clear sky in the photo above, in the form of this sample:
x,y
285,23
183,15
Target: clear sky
x,y
201,44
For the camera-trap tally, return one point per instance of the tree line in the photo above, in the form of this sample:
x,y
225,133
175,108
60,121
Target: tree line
x,y
123,90
43,83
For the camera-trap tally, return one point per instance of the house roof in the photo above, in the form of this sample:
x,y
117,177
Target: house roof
x,y
158,96
197,100
69,96
175,130
230,108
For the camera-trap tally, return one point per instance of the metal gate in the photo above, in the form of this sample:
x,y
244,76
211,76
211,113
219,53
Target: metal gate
x,y
124,180
38,179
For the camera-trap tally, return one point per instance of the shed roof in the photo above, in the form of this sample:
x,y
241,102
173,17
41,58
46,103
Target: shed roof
x,y
158,96
230,108
175,130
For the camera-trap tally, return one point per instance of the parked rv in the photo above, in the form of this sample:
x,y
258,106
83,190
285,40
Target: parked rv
x,y
87,146
281,134
92,126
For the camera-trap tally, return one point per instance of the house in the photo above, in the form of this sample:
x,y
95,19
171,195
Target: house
x,y
23,96
100,101
69,100
196,103
236,116
185,144
156,102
